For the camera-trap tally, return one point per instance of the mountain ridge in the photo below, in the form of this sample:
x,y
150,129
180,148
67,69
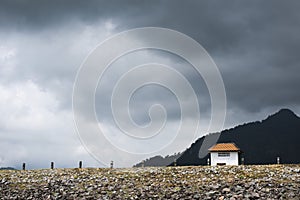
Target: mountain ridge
x,y
260,141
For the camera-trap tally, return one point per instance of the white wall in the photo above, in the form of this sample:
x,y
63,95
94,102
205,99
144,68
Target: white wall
x,y
233,159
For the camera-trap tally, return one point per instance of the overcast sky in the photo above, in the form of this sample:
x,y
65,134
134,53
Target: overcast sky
x,y
255,45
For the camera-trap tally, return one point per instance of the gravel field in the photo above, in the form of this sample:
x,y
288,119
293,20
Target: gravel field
x,y
196,182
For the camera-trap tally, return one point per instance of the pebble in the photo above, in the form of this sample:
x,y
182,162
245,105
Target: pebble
x,y
225,190
198,182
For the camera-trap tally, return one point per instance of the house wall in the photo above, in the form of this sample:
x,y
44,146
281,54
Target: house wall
x,y
233,159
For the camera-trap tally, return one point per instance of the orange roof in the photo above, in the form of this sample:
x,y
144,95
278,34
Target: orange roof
x,y
224,147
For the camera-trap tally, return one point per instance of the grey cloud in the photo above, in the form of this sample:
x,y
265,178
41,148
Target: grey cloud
x,y
38,15
255,44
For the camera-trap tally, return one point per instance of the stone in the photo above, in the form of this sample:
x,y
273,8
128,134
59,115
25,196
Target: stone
x,y
258,182
210,193
225,190
255,195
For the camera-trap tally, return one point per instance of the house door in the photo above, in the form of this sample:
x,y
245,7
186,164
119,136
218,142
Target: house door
x,y
221,163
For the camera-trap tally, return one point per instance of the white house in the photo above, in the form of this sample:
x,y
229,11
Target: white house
x,y
224,154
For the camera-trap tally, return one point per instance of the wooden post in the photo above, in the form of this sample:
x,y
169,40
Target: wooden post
x,y
52,165
80,164
278,160
24,166
111,164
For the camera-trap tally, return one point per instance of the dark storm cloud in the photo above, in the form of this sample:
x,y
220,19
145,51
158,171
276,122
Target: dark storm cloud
x,y
35,14
254,43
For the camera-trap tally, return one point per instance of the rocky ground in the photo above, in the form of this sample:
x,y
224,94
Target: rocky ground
x,y
199,182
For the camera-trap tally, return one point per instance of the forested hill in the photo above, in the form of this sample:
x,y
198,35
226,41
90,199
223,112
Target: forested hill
x,y
261,142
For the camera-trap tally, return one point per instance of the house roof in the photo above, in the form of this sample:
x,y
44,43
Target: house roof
x,y
224,147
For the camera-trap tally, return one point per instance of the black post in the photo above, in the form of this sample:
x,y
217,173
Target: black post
x,y
24,166
80,164
111,164
52,165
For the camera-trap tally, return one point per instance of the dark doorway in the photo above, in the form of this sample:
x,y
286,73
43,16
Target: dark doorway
x,y
221,163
